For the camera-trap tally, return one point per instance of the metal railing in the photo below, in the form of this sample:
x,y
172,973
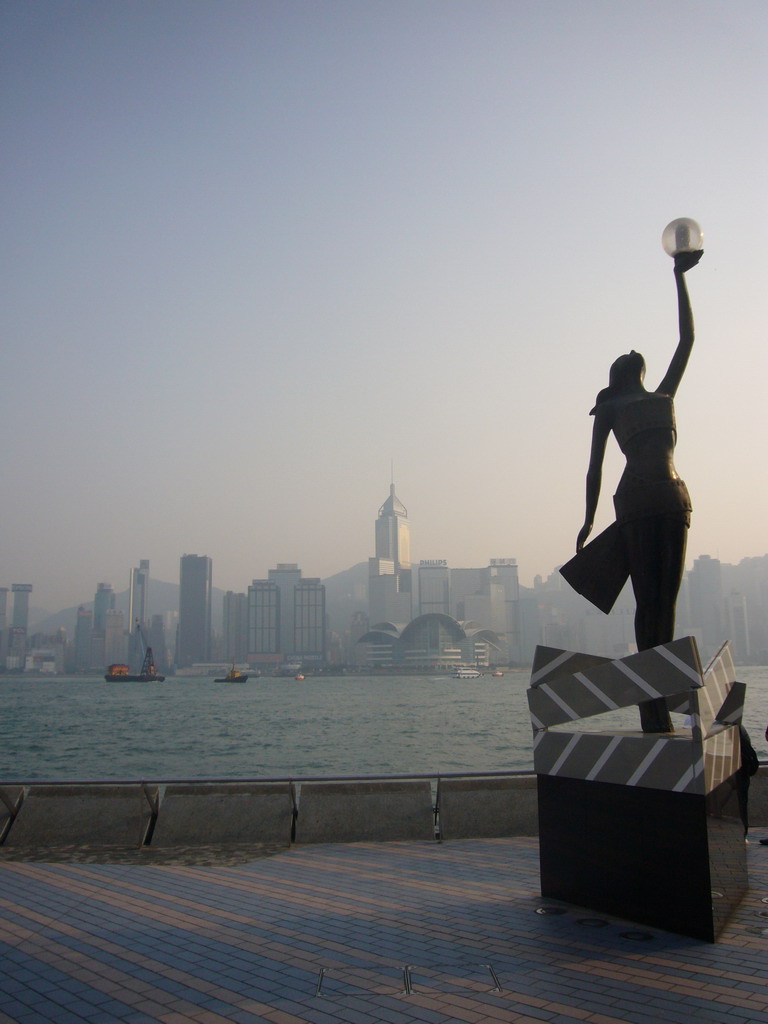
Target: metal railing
x,y
296,779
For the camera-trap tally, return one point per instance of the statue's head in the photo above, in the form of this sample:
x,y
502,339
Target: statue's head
x,y
627,370
627,373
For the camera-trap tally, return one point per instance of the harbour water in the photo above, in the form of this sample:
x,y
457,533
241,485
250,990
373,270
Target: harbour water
x,y
85,728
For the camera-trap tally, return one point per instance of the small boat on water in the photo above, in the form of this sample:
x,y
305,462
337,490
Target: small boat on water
x,y
119,673
466,673
233,676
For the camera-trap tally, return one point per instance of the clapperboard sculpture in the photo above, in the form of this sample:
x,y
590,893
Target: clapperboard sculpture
x,y
644,826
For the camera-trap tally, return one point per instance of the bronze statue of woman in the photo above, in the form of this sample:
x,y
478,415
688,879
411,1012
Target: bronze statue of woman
x,y
653,509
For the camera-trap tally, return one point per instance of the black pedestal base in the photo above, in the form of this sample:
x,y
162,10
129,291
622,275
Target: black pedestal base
x,y
674,861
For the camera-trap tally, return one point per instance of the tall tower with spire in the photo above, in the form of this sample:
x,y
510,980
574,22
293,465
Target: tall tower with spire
x,y
389,571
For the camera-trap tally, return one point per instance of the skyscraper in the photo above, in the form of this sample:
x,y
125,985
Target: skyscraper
x,y
194,632
21,592
83,639
389,571
504,572
235,626
286,618
115,641
309,636
705,595
138,595
103,602
17,643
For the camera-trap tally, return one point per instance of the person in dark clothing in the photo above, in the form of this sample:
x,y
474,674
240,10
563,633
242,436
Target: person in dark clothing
x,y
764,842
748,768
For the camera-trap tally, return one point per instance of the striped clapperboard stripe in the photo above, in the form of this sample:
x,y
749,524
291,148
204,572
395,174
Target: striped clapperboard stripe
x,y
721,706
568,686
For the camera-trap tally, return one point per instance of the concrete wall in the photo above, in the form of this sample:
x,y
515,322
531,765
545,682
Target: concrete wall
x,y
349,812
488,808
10,801
83,815
228,813
232,813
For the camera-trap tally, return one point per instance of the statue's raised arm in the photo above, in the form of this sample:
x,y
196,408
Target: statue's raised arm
x,y
684,261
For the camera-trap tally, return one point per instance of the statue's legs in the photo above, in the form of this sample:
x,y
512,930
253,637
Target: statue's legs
x,y
656,551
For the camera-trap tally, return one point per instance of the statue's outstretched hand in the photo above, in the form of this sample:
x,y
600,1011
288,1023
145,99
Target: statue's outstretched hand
x,y
685,260
584,532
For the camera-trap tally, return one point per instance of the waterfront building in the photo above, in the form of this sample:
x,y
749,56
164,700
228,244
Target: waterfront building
x,y
47,653
194,631
47,661
389,570
235,626
491,594
286,619
431,641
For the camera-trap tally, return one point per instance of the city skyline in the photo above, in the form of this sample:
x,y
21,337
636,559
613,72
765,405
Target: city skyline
x,y
37,612
384,611
717,601
257,252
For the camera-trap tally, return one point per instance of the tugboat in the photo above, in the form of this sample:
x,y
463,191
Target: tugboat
x,y
118,673
233,676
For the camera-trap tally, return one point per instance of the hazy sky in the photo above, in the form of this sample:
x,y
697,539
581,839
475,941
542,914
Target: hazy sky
x,y
258,250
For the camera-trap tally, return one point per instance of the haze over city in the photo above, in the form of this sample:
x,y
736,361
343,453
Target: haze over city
x,y
259,253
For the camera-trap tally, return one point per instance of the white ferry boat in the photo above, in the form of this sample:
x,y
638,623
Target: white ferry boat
x,y
466,673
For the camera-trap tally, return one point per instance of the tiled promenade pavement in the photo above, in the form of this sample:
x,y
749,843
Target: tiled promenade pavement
x,y
182,943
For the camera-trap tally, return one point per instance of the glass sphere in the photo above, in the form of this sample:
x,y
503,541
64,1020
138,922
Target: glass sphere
x,y
682,235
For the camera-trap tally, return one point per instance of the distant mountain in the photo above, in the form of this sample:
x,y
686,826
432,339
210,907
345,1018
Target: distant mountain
x,y
345,594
